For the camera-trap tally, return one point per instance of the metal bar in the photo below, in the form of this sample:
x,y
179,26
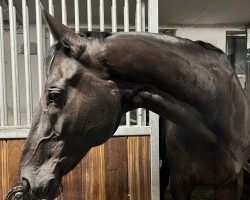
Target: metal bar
x,y
114,16
155,156
89,11
15,132
153,18
14,67
39,48
64,12
12,132
248,65
51,11
28,82
154,119
143,16
126,15
139,116
77,27
101,11
128,122
138,15
3,100
133,131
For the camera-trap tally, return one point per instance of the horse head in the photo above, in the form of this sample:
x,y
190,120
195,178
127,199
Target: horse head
x,y
79,108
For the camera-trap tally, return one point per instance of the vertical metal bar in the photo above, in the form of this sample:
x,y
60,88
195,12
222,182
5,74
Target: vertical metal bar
x,y
51,11
143,16
154,119
3,100
77,27
64,12
128,122
28,82
114,16
154,155
139,117
89,11
14,67
153,18
248,65
138,16
39,48
101,11
126,15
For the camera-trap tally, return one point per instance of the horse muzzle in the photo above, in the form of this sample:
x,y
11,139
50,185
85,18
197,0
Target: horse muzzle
x,y
43,190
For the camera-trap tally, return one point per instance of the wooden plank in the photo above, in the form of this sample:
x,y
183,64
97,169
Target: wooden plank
x,y
3,178
14,149
93,175
10,151
72,184
139,168
116,168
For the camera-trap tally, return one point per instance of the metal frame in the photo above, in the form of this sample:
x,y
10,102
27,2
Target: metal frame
x,y
17,130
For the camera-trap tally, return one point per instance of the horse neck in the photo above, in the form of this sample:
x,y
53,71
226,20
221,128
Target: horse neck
x,y
141,61
165,81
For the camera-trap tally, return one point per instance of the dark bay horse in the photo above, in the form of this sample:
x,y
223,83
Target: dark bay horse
x,y
93,79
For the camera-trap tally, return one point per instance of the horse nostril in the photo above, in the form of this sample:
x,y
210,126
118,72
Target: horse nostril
x,y
26,185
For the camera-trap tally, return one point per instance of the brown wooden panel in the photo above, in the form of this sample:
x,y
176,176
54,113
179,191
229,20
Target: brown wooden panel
x,y
10,151
14,149
72,184
139,168
93,175
116,168
3,177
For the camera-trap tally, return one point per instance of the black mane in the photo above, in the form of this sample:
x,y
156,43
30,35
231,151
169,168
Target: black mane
x,y
93,34
209,46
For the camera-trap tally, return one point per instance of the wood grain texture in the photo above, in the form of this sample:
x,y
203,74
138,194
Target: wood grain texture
x,y
93,182
116,170
139,168
10,151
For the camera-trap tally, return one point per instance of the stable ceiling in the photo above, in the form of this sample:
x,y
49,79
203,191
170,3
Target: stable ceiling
x,y
171,12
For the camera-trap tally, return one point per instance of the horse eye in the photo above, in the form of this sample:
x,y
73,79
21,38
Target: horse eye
x,y
54,96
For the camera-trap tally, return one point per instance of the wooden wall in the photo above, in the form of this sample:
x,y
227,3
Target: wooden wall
x,y
116,170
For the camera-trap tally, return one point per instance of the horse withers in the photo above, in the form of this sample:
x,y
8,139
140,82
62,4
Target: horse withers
x,y
92,79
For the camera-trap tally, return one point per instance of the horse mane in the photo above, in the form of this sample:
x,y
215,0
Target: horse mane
x,y
209,46
93,34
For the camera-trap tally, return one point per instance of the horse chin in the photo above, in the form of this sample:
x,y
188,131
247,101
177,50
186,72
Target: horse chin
x,y
51,193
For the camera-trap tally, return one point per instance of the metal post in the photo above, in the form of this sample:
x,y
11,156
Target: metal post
x,y
77,27
51,11
126,15
248,65
64,12
39,32
3,100
28,81
153,23
143,16
89,11
138,16
114,16
14,65
154,119
101,11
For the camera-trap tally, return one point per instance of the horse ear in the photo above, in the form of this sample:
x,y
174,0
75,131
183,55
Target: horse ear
x,y
67,37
